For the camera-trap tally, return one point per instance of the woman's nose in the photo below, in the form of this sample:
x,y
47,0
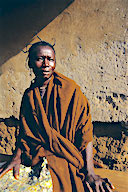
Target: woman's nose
x,y
45,62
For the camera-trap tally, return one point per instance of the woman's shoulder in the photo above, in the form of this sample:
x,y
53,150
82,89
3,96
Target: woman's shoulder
x,y
64,81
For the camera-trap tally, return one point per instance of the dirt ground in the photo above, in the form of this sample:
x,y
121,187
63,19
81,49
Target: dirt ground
x,y
118,178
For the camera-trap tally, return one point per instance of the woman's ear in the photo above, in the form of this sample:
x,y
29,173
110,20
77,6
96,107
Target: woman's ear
x,y
30,64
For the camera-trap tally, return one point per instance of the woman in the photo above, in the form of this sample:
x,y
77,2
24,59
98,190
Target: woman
x,y
55,122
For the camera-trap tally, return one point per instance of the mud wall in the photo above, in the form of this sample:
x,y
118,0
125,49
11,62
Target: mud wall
x,y
110,147
91,47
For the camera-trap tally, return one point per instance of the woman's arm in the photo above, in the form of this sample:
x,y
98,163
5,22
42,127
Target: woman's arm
x,y
95,182
13,164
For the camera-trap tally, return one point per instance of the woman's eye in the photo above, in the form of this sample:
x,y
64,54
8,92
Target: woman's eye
x,y
50,59
40,59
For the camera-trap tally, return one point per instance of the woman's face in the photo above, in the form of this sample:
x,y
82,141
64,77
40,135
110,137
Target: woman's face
x,y
43,62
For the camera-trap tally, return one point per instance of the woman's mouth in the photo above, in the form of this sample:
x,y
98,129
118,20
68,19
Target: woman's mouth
x,y
44,72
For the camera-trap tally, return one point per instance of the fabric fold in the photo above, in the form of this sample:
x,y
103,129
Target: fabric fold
x,y
59,125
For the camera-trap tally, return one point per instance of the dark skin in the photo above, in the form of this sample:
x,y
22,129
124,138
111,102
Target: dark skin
x,y
95,182
43,64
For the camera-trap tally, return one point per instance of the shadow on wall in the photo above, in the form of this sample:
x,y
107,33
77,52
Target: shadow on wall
x,y
10,121
21,20
114,129
110,143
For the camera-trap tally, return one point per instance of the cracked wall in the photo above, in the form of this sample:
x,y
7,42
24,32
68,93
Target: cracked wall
x,y
91,47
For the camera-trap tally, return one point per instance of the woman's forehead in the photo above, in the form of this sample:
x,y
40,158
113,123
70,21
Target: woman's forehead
x,y
44,50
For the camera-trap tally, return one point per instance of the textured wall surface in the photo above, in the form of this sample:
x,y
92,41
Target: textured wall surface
x,y
91,48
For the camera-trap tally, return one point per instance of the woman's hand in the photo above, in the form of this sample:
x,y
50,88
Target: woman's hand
x,y
97,184
13,164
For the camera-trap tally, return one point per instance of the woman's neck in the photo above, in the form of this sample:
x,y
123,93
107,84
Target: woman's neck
x,y
46,83
42,82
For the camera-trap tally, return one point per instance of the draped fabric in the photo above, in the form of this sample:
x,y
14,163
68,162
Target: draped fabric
x,y
58,127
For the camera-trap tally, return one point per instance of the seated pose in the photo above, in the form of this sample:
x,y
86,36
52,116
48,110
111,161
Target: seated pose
x,y
55,123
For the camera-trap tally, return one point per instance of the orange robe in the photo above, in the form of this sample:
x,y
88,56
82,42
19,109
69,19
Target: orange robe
x,y
58,127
